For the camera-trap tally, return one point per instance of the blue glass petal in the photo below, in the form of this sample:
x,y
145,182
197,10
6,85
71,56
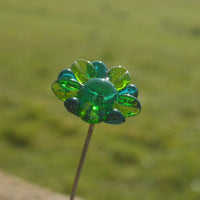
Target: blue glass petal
x,y
101,69
115,117
129,89
66,73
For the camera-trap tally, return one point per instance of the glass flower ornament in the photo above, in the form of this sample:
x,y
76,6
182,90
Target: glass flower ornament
x,y
96,94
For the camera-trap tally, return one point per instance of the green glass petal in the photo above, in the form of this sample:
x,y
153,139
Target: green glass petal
x,y
129,89
66,88
119,77
66,74
83,70
115,117
91,113
128,105
101,69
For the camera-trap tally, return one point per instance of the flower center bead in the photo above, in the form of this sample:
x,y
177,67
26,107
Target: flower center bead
x,y
96,98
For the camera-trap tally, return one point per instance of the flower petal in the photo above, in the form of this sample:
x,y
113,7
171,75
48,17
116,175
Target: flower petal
x,y
91,114
101,69
119,77
83,70
115,117
65,88
128,105
66,74
72,105
129,89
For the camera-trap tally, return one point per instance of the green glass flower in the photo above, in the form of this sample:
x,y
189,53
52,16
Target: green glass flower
x,y
96,94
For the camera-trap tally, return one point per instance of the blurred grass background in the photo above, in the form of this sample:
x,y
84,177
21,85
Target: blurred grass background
x,y
150,157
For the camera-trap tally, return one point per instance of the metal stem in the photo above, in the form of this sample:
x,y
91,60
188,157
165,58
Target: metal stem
x,y
83,155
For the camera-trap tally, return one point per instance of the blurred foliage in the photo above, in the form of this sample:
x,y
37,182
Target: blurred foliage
x,y
150,157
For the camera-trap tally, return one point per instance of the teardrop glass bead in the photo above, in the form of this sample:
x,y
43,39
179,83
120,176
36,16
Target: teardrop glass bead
x,y
115,117
91,113
119,77
83,70
129,89
100,68
66,74
128,105
66,88
72,105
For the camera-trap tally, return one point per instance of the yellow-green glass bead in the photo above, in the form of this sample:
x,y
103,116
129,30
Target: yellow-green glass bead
x,y
92,113
83,70
66,88
119,77
128,105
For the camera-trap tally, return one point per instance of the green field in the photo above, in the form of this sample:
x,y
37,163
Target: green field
x,y
153,156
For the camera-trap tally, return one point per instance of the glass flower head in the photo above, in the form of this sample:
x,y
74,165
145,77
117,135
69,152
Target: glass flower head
x,y
96,94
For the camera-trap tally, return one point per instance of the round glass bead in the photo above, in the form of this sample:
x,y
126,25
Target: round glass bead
x,y
98,95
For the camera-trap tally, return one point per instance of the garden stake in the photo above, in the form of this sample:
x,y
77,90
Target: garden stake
x,y
82,159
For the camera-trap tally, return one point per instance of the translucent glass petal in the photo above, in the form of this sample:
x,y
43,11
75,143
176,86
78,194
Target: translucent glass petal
x,y
128,105
83,70
91,113
66,88
129,89
115,117
66,74
119,77
101,69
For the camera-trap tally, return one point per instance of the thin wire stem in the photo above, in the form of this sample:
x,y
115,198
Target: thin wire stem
x,y
83,155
